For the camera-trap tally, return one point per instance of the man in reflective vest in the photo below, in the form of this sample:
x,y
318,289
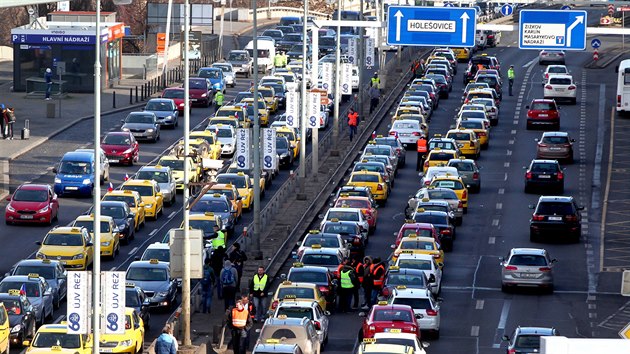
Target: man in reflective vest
x,y
358,271
259,285
278,60
219,240
347,282
377,270
511,77
421,148
376,81
239,322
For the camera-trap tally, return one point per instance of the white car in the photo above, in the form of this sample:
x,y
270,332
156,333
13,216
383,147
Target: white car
x,y
227,137
346,214
554,70
408,339
492,111
324,240
561,87
437,171
308,309
228,72
407,130
423,304
425,263
272,79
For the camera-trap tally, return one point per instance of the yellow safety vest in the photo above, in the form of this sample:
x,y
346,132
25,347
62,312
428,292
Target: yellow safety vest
x,y
219,240
375,82
260,283
346,281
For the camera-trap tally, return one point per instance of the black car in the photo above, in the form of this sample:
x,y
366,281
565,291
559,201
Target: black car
x,y
544,174
296,52
327,45
410,278
21,316
488,62
396,145
280,91
285,30
288,41
284,151
527,339
441,221
319,276
276,34
355,191
351,233
123,217
138,300
557,216
492,81
492,38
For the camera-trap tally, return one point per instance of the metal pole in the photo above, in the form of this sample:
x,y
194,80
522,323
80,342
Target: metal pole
x,y
381,36
186,193
361,62
231,12
302,172
315,85
221,28
96,265
399,51
168,35
257,230
269,9
337,77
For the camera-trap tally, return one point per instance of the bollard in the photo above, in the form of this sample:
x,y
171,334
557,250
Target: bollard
x,y
114,99
130,96
136,93
142,92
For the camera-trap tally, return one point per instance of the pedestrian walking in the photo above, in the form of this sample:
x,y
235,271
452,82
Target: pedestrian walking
x,y
207,286
238,321
511,75
228,279
3,121
258,288
375,81
170,333
251,309
238,259
216,262
377,270
48,77
375,97
165,344
9,118
421,149
367,283
353,121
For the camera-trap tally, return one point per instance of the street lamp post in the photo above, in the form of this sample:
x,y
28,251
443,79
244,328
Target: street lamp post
x,y
186,193
304,100
96,265
256,143
337,76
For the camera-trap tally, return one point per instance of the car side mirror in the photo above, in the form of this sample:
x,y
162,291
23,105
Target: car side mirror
x,y
580,208
616,69
137,258
432,278
122,121
536,139
505,338
89,244
425,344
327,313
26,343
283,276
39,243
418,316
392,246
8,199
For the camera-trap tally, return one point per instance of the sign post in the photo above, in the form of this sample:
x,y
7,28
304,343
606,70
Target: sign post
x,y
595,55
552,29
312,123
269,149
78,308
293,109
346,79
327,77
243,147
507,10
114,301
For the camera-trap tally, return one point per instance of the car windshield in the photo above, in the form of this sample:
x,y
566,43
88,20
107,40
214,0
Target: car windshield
x,y
528,260
26,195
176,165
32,288
114,211
13,307
406,125
462,166
75,168
392,315
555,140
343,215
458,136
89,225
292,38
410,280
448,184
173,94
210,74
158,106
63,240
158,176
204,225
329,242
446,145
53,339
212,205
130,200
144,191
527,341
237,57
542,106
237,181
544,167
282,144
223,67
320,259
553,208
417,245
299,293
339,228
147,274
140,119
46,272
295,312
445,156
416,304
224,133
198,84
442,194
162,255
364,178
430,219
308,277
117,139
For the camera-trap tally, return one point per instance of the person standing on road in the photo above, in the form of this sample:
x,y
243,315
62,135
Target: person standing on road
x,y
207,286
218,100
48,77
278,60
511,78
358,271
219,240
367,283
238,258
377,270
348,281
421,148
375,97
285,59
353,121
259,286
216,262
239,322
165,344
228,279
375,81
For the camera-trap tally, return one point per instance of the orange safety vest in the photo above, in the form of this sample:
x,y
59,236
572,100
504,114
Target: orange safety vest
x,y
353,118
239,318
422,145
378,281
359,271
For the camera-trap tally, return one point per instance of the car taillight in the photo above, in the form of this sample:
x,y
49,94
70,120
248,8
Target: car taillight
x,y
416,133
274,304
536,217
542,145
460,204
511,351
386,292
393,133
318,326
426,164
336,274
528,175
372,328
490,36
427,182
323,289
546,76
493,110
432,313
560,175
465,194
446,232
379,187
356,241
548,87
511,268
481,133
572,87
437,255
618,100
571,218
561,54
545,269
476,175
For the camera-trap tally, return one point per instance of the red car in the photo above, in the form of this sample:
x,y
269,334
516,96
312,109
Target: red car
x,y
389,318
177,95
363,203
200,91
419,228
32,203
121,147
543,112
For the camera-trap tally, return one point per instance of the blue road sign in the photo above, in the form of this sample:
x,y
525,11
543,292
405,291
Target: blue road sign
x,y
552,29
448,4
596,43
431,26
565,7
507,10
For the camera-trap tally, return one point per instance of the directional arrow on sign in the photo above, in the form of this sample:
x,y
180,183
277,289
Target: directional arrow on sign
x,y
578,20
465,19
398,16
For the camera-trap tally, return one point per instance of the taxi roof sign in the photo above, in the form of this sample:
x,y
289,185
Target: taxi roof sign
x,y
130,285
298,264
33,275
313,231
290,296
14,292
286,282
369,340
382,303
401,287
316,246
154,261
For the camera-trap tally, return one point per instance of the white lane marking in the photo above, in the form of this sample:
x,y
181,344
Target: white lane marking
x,y
171,215
529,63
153,232
479,305
508,153
499,206
495,222
513,132
474,331
506,164
511,141
505,311
501,190
492,240
505,178
133,251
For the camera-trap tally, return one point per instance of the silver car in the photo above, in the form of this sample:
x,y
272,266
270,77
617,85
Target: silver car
x,y
228,72
431,194
241,62
165,110
469,172
527,267
143,125
551,56
163,175
300,331
38,292
308,309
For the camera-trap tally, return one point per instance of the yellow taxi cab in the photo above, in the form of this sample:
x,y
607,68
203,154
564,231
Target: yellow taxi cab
x,y
462,54
131,341
407,110
243,184
372,180
481,127
176,164
234,121
263,111
296,292
54,338
439,157
149,191
5,330
214,146
237,112
110,237
456,184
269,94
134,201
467,140
231,192
204,222
70,245
413,244
292,137
369,346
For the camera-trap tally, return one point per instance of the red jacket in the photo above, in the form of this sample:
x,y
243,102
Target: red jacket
x,y
353,119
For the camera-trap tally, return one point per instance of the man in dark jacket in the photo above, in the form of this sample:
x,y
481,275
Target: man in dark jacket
x,y
216,262
367,282
228,279
165,343
239,322
238,258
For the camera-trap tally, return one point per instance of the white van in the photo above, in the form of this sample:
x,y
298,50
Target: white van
x,y
266,52
623,87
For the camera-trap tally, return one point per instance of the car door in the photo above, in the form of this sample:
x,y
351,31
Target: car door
x,y
47,295
60,275
88,250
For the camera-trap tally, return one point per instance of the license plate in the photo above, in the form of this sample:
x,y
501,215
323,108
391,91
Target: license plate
x,y
560,89
543,115
392,330
113,161
404,134
544,176
528,275
555,218
108,350
193,99
72,188
26,216
555,149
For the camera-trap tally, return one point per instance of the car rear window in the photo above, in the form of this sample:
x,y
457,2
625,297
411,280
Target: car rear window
x,y
460,136
300,293
448,184
555,140
442,194
405,125
471,124
320,259
365,178
392,315
551,208
409,280
544,167
328,242
416,304
430,219
308,277
528,260
442,156
419,264
542,106
560,81
528,341
462,166
446,145
557,69
420,233
417,245
296,312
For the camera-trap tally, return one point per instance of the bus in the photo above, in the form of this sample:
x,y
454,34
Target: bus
x,y
623,87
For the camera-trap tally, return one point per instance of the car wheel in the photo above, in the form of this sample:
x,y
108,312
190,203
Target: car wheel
x,y
532,237
436,334
504,288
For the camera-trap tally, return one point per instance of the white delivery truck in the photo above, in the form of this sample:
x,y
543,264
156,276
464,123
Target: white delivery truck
x,y
623,87
266,52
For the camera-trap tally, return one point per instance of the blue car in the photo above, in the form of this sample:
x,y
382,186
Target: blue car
x,y
216,77
75,174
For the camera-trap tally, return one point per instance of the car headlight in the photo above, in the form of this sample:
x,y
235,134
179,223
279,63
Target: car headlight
x,y
87,181
285,155
78,256
148,206
57,180
40,255
162,294
125,343
204,94
179,180
168,117
228,146
217,85
125,129
150,130
10,208
182,104
42,210
128,151
16,328
106,243
225,220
